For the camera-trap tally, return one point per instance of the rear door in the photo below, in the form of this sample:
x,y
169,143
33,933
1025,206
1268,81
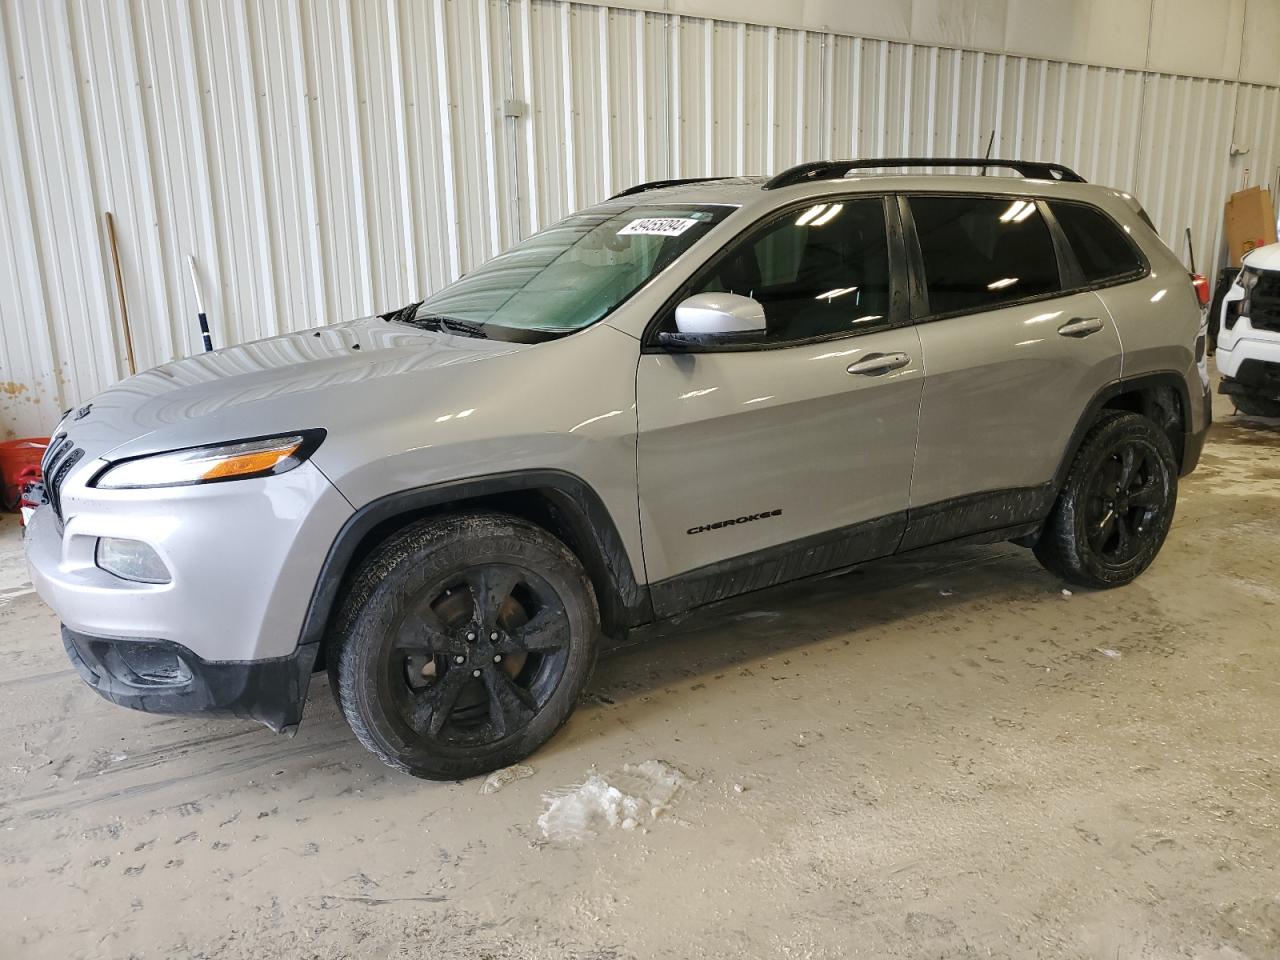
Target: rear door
x,y
1014,351
793,454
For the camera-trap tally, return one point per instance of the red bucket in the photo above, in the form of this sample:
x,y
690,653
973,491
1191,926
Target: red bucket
x,y
17,458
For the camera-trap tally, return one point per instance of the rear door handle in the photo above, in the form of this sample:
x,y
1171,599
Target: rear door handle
x,y
1080,327
874,364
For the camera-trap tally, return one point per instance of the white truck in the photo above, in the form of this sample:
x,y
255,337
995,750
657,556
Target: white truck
x,y
1248,354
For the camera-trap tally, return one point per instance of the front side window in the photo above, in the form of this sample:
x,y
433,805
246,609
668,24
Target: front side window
x,y
1101,248
568,276
981,252
818,271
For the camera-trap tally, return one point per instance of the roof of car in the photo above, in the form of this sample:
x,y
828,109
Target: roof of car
x,y
828,175
741,191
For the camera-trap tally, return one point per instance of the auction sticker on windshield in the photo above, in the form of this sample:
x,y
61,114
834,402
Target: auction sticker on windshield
x,y
657,227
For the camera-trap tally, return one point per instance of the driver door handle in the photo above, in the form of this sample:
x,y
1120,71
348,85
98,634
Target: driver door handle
x,y
1080,327
874,364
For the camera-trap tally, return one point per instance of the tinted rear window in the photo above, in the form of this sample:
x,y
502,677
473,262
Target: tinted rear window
x,y
1101,247
981,252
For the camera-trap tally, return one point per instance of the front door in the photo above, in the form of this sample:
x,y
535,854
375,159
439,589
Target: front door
x,y
781,458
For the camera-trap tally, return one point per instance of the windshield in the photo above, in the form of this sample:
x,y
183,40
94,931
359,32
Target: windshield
x,y
567,277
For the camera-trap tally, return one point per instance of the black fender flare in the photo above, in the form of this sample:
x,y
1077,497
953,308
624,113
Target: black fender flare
x,y
580,514
1184,446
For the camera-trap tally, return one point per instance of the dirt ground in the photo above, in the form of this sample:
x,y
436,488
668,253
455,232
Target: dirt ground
x,y
935,757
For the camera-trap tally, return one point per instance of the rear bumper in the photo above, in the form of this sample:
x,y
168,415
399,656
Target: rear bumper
x,y
1193,443
159,676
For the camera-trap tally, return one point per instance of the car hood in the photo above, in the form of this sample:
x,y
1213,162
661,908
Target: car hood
x,y
264,386
1264,258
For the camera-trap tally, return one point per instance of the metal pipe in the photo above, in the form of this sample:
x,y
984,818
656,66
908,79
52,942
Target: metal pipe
x,y
200,314
124,304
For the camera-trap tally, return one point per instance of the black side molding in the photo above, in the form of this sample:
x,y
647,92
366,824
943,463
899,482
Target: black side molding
x,y
977,514
989,517
820,553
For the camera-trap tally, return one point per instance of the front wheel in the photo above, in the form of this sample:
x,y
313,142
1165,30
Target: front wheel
x,y
1114,511
463,644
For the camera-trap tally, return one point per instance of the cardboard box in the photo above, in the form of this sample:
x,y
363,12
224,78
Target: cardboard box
x,y
1250,221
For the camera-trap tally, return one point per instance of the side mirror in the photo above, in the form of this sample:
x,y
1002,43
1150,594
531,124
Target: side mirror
x,y
716,318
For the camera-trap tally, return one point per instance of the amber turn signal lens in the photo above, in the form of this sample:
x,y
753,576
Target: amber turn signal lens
x,y
260,461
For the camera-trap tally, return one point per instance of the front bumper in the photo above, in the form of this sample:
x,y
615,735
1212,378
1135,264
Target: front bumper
x,y
159,676
1253,378
1242,344
244,558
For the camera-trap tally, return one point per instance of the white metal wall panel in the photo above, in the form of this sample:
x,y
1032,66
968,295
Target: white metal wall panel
x,y
326,158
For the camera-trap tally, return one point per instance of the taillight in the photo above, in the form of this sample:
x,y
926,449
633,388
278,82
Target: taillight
x,y
1202,289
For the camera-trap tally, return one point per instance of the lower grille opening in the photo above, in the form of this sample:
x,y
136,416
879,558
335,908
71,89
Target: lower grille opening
x,y
145,664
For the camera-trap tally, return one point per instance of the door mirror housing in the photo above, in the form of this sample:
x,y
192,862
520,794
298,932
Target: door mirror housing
x,y
706,319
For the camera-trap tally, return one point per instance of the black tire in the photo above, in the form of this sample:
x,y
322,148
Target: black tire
x,y
1114,511
1257,406
418,673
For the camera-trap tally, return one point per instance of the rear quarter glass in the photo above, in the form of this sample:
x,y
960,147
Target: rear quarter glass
x,y
1101,247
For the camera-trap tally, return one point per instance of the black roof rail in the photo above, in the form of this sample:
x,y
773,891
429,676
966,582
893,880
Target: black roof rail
x,y
658,184
836,169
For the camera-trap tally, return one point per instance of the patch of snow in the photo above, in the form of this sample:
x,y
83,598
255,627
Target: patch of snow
x,y
633,794
500,778
1108,652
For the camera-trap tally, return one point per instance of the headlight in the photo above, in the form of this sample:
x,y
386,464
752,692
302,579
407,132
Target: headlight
x,y
1233,310
1248,280
260,457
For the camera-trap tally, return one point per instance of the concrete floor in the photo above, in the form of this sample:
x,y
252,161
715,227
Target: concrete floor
x,y
938,757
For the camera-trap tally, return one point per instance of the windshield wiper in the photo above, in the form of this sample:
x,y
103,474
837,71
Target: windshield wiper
x,y
451,324
403,315
432,321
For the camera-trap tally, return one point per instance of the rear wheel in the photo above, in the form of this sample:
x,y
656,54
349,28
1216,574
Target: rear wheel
x,y
1114,511
464,644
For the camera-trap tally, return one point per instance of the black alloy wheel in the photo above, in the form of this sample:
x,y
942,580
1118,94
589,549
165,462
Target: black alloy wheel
x,y
478,655
463,644
1113,512
1126,495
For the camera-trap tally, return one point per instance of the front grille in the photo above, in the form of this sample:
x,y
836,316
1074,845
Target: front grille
x,y
1264,301
55,470
57,447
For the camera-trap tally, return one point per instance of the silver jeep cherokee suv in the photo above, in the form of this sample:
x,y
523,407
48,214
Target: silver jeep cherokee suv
x,y
693,390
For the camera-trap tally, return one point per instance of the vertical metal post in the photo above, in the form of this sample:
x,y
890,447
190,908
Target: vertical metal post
x,y
200,314
124,306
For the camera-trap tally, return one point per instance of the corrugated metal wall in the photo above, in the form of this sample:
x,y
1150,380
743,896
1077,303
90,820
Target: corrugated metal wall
x,y
325,158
